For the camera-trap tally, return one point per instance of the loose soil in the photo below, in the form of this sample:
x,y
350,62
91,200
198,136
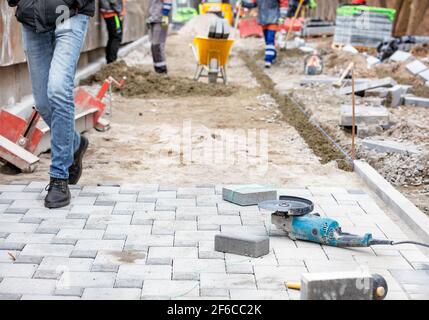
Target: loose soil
x,y
149,84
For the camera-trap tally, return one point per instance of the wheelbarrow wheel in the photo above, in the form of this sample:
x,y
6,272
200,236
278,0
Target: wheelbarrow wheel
x,y
213,71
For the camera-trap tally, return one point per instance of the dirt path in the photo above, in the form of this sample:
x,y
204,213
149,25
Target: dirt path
x,y
150,139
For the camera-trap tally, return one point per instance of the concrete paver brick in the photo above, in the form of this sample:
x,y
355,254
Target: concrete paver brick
x,y
99,245
206,251
29,238
149,217
82,279
54,250
111,294
17,270
142,242
256,295
191,213
27,286
191,238
162,289
100,222
164,255
190,269
77,234
144,272
242,244
227,281
170,227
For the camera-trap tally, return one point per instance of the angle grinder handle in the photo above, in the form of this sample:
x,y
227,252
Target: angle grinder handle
x,y
380,287
352,240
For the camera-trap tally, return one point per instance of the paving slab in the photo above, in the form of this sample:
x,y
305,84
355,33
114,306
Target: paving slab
x,y
390,146
364,115
416,67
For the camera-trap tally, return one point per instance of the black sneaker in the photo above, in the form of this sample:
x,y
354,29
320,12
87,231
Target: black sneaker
x,y
58,194
161,70
75,170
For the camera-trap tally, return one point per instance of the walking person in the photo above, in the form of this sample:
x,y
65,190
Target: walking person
x,y
53,33
158,22
113,12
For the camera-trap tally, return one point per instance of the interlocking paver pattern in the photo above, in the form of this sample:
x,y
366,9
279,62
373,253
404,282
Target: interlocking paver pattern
x,y
157,242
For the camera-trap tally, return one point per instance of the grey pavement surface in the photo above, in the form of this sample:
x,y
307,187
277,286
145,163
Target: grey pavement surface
x,y
157,242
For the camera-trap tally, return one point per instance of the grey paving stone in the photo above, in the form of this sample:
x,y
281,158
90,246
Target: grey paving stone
x,y
101,189
208,200
62,223
389,146
128,230
219,220
69,291
100,222
77,234
87,279
12,227
116,258
143,242
146,196
10,218
4,235
242,244
17,270
48,297
144,272
255,295
401,56
58,265
111,294
190,269
105,203
149,217
164,255
91,210
208,227
5,202
417,277
170,227
239,269
227,281
214,292
11,188
195,191
11,210
55,250
27,286
19,196
11,246
29,238
131,207
191,213
31,220
206,251
161,289
175,203
248,195
10,296
385,82
191,238
84,254
364,115
273,278
28,259
416,101
46,213
416,67
128,283
45,274
96,245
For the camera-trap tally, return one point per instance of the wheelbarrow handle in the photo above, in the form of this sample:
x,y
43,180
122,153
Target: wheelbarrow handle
x,y
194,51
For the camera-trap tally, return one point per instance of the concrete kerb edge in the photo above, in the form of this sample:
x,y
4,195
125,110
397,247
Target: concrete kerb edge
x,y
413,217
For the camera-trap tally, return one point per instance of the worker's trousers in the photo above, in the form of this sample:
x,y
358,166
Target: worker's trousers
x,y
270,48
114,29
52,59
158,37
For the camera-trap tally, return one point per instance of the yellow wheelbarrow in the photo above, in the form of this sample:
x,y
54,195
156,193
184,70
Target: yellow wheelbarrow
x,y
212,56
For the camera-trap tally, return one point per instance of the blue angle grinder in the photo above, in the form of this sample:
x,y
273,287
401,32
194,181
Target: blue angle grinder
x,y
293,215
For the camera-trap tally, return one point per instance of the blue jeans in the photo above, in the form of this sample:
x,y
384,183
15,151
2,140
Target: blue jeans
x,y
52,59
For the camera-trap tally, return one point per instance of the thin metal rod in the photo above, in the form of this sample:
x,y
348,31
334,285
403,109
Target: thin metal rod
x,y
353,116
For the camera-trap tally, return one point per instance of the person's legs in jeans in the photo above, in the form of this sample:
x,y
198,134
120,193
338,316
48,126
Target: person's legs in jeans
x,y
52,59
158,36
114,29
69,38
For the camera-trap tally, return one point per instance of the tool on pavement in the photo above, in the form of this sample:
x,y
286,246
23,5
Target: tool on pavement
x,y
293,215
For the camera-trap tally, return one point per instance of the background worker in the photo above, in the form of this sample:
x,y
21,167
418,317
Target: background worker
x,y
53,38
269,14
158,22
113,12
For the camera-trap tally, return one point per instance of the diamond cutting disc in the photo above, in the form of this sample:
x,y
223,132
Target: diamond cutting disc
x,y
291,206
